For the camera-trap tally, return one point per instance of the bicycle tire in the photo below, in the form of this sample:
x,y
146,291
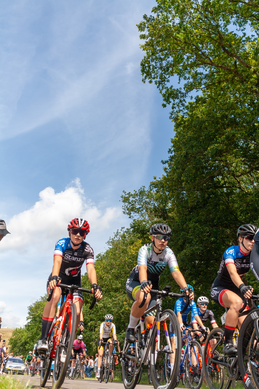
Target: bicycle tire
x,y
64,347
106,367
130,372
193,376
101,373
247,349
160,373
45,370
112,370
216,374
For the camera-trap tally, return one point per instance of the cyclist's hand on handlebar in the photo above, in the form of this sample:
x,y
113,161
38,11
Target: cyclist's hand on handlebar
x,y
246,291
54,281
146,286
97,291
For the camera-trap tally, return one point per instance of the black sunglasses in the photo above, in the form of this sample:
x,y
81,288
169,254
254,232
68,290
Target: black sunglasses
x,y
160,237
249,237
76,231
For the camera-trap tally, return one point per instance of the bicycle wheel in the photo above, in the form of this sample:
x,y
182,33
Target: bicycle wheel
x,y
101,372
46,362
216,374
248,350
112,368
193,366
169,352
64,348
106,367
130,370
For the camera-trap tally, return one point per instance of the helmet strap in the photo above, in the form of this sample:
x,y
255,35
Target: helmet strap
x,y
153,242
242,243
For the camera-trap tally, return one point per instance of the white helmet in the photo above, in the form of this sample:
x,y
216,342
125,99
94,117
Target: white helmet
x,y
203,299
108,317
80,337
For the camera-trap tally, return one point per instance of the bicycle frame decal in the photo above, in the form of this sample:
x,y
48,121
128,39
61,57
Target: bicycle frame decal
x,y
167,336
158,335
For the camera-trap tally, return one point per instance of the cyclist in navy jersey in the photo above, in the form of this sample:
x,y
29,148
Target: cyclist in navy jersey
x,y
69,255
152,260
204,313
228,288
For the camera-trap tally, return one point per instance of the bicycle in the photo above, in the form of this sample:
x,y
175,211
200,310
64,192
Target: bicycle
x,y
108,364
60,338
153,341
191,368
221,370
77,370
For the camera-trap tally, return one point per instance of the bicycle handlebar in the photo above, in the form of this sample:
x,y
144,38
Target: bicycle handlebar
x,y
166,293
72,288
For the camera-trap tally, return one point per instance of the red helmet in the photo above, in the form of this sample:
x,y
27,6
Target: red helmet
x,y
79,223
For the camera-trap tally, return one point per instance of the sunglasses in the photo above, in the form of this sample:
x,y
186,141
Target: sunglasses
x,y
75,231
108,320
249,237
204,304
160,237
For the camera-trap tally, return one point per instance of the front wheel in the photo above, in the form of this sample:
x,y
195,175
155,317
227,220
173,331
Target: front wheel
x,y
193,366
64,348
166,351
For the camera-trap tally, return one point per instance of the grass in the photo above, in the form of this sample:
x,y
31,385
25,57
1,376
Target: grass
x,y
7,334
9,382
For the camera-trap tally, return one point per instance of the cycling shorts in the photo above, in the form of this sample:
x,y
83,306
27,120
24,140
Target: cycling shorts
x,y
79,352
217,292
132,287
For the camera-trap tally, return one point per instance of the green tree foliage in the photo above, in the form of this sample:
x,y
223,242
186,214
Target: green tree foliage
x,y
204,45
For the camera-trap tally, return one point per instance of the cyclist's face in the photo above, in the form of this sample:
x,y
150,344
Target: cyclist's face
x,y
202,307
160,244
108,323
248,243
76,239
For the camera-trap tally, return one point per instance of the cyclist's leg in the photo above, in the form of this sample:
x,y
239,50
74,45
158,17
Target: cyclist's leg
x,y
78,301
100,356
47,318
135,293
73,364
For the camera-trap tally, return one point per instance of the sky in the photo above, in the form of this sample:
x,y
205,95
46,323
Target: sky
x,y
77,127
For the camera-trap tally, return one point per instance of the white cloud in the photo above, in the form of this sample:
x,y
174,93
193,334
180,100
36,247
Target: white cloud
x,y
49,217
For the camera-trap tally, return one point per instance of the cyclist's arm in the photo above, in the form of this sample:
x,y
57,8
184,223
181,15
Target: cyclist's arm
x,y
143,277
91,272
198,320
179,279
55,269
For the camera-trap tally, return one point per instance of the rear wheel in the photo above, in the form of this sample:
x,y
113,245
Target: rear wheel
x,y
130,370
168,353
45,366
64,348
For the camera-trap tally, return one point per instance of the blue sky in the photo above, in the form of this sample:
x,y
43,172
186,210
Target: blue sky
x,y
77,127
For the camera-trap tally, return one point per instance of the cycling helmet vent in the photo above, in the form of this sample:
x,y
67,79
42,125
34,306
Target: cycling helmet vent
x,y
203,299
79,223
108,317
246,229
160,229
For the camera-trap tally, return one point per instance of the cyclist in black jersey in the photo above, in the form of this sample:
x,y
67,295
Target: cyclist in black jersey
x,y
228,288
69,255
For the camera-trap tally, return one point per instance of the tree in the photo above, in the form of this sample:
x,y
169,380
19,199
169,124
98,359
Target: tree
x,y
203,45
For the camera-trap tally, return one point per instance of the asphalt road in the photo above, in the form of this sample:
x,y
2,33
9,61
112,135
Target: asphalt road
x,y
76,384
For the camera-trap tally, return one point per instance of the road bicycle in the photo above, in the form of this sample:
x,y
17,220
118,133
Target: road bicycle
x,y
222,370
77,372
191,364
160,343
108,364
60,338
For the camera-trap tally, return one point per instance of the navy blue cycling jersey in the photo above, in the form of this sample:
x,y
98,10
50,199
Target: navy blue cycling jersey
x,y
72,260
207,315
242,262
180,304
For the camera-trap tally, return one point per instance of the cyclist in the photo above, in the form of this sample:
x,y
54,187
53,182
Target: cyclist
x,y
106,336
69,256
228,288
77,351
28,361
152,260
204,313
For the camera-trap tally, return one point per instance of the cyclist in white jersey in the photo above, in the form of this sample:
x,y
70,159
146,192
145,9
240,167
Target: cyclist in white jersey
x,y
107,335
152,260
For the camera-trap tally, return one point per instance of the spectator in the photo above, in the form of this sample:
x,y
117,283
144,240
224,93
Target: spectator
x,y
3,230
90,367
96,364
0,322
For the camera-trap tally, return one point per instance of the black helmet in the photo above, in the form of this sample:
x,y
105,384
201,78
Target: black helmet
x,y
246,229
160,229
